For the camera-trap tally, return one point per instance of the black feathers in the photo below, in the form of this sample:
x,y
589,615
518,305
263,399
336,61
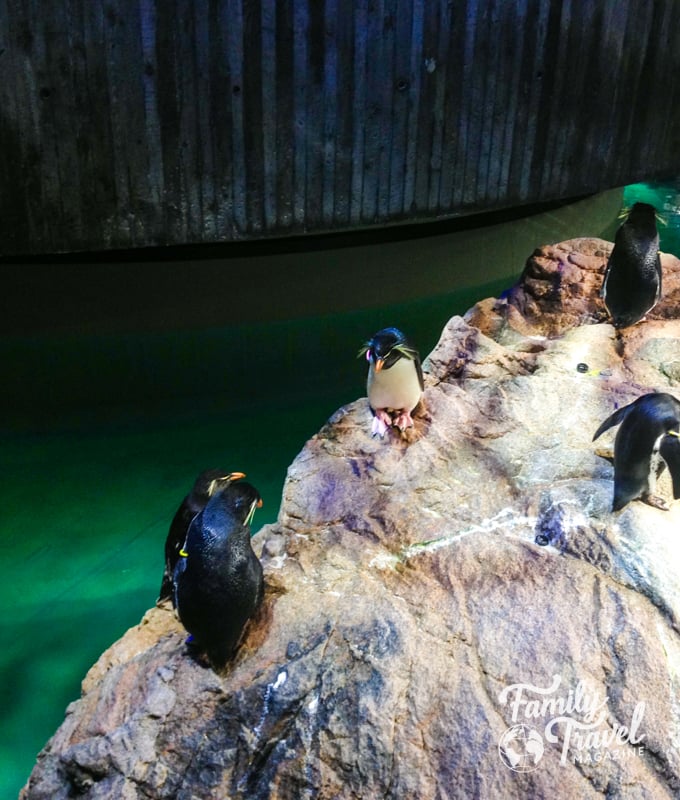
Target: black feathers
x,y
218,578
632,280
646,435
207,483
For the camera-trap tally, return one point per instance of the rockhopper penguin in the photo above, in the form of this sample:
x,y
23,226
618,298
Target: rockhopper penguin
x,y
207,483
395,380
632,279
218,578
640,446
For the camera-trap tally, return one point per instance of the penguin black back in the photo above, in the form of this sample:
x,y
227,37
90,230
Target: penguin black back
x,y
632,280
206,484
219,582
638,445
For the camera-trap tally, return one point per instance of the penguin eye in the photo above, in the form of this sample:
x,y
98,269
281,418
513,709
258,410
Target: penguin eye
x,y
369,355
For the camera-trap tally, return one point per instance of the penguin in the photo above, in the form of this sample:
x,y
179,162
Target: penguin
x,y
218,579
395,380
207,483
640,445
632,279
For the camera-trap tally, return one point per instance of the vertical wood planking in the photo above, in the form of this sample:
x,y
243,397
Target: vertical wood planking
x,y
471,108
232,20
358,93
285,114
402,83
299,77
269,60
386,93
372,112
205,151
152,123
344,130
512,38
534,65
253,115
330,109
314,126
415,78
220,120
139,122
451,158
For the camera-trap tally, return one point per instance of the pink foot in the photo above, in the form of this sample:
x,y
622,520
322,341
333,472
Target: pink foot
x,y
381,422
403,421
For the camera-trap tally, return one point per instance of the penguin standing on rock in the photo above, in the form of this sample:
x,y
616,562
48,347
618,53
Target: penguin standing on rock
x,y
218,578
395,380
641,445
632,279
207,483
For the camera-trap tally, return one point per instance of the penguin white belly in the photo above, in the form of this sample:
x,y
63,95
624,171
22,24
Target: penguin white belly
x,y
395,388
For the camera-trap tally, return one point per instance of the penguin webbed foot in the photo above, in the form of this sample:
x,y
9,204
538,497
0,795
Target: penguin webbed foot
x,y
655,501
403,421
382,420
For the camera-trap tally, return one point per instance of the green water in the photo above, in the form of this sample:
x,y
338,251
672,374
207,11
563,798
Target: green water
x,y
104,432
665,197
88,493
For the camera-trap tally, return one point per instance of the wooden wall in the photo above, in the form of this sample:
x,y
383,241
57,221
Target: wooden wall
x,y
128,123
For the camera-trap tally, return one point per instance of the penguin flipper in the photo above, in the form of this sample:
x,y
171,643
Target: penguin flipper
x,y
613,419
180,568
669,450
603,288
419,371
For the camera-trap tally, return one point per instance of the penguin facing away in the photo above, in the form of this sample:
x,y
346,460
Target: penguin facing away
x,y
643,447
632,279
395,380
205,486
218,579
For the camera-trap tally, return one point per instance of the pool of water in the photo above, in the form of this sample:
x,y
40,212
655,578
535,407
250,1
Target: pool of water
x,y
105,430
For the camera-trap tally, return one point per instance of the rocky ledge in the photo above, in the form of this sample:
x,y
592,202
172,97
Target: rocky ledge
x,y
415,640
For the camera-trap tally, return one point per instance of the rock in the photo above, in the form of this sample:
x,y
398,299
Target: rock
x,y
411,620
560,289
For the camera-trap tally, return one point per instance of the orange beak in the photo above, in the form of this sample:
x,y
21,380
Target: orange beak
x,y
379,364
260,503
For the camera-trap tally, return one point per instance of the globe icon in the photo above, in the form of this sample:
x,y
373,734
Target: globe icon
x,y
521,748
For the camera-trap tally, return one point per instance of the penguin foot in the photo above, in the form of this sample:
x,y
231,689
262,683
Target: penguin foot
x,y
381,422
655,501
403,421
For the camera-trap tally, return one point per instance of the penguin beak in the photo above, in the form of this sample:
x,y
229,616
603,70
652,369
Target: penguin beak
x,y
230,476
379,364
674,433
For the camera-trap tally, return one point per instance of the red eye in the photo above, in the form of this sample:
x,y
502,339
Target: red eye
x,y
368,355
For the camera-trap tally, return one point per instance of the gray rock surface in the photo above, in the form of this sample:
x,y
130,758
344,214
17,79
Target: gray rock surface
x,y
410,618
